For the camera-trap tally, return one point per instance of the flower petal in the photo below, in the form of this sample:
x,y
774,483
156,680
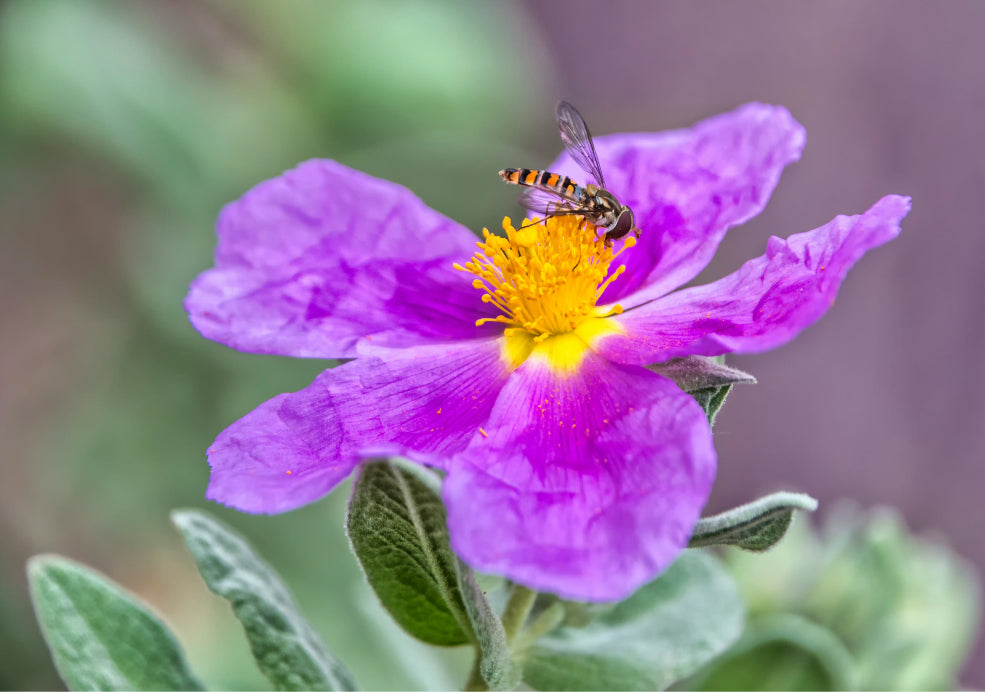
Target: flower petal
x,y
586,486
764,304
424,403
688,187
314,260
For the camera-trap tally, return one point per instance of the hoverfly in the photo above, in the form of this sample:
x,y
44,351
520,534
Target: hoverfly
x,y
554,195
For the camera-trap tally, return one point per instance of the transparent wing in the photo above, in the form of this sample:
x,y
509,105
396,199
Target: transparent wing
x,y
545,205
545,202
578,141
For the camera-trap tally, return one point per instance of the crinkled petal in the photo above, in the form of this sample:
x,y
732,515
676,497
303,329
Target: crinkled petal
x,y
587,486
311,262
688,187
764,304
424,403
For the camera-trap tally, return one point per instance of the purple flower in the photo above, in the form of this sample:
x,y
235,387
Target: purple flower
x,y
570,466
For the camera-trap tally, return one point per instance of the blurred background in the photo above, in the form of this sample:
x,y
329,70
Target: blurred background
x,y
125,126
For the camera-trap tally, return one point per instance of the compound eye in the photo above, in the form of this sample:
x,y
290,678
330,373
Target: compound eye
x,y
622,226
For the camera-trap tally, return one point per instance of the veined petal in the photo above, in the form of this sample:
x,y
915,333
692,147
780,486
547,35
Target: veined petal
x,y
424,403
587,485
764,304
688,187
314,260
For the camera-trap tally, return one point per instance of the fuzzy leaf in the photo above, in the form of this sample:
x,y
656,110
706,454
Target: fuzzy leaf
x,y
286,648
495,661
711,400
100,636
708,380
396,524
700,372
662,633
756,526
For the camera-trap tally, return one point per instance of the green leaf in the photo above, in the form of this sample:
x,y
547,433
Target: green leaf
x,y
100,636
711,400
396,524
782,652
664,632
495,664
398,531
285,647
756,526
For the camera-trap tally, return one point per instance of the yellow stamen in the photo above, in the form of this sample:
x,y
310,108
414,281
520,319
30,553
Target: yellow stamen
x,y
546,279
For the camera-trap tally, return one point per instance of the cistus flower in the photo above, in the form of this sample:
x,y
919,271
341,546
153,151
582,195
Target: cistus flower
x,y
517,369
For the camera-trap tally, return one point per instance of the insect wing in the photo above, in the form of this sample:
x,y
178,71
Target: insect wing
x,y
578,141
545,202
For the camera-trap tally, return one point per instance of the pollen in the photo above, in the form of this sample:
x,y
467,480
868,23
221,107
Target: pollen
x,y
546,277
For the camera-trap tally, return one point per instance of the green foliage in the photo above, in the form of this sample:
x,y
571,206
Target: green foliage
x,y
461,81
904,608
100,636
665,631
578,614
396,524
711,400
708,380
495,662
397,527
782,652
285,647
27,663
102,74
756,526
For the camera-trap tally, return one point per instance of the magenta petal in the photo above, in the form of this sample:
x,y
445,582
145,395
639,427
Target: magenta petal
x,y
688,187
586,486
766,303
314,260
274,459
425,403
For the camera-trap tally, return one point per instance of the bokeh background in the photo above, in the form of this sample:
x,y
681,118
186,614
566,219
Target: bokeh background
x,y
124,126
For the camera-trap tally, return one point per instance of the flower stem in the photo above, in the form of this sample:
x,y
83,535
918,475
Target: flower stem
x,y
476,682
517,609
546,620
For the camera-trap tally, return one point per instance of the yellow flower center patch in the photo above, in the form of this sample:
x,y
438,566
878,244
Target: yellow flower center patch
x,y
546,279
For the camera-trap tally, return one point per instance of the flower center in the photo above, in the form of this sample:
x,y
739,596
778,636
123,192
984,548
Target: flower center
x,y
547,277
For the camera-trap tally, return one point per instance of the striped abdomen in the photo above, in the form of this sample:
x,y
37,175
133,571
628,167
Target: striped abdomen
x,y
558,184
